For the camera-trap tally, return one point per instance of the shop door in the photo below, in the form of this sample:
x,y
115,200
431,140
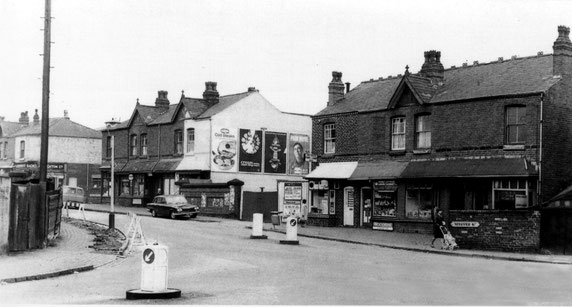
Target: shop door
x,y
366,196
349,206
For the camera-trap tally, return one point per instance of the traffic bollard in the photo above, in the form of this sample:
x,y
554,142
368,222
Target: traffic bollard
x,y
257,227
291,231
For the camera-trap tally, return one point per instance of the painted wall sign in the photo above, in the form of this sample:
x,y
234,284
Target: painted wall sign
x,y
383,226
250,158
464,224
224,150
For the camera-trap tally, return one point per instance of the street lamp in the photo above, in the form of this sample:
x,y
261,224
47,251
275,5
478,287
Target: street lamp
x,y
111,124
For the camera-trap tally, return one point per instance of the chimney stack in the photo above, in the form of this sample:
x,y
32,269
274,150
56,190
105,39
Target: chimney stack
x,y
210,95
336,88
162,100
66,114
24,119
432,68
562,58
36,118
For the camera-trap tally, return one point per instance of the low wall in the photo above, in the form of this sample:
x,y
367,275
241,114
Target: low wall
x,y
511,230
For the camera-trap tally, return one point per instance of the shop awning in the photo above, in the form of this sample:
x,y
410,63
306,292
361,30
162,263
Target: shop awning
x,y
166,165
193,163
138,166
334,170
106,165
378,170
494,167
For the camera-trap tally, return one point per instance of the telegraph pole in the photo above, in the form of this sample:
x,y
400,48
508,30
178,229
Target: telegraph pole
x,y
45,96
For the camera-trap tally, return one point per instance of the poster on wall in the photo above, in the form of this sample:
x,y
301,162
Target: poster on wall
x,y
299,144
292,208
293,191
250,158
224,150
275,153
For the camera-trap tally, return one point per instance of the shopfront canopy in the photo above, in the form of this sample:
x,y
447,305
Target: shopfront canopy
x,y
466,168
378,170
334,170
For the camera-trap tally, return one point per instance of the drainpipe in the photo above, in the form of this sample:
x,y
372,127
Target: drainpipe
x,y
539,189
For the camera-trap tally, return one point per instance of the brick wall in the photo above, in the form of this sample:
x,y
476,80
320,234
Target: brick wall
x,y
513,231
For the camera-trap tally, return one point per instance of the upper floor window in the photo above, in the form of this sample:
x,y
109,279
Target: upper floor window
x,y
108,147
423,131
515,125
5,150
329,138
2,149
178,142
190,140
22,149
133,144
143,144
398,133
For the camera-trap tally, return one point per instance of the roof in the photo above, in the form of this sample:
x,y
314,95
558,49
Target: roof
x,y
501,78
378,170
63,127
8,128
334,170
458,168
224,102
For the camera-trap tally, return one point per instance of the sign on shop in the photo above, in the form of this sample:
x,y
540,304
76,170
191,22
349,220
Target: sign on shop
x,y
464,224
383,226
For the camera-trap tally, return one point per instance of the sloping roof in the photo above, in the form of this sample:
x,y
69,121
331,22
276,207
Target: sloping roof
x,y
566,194
224,102
458,168
501,78
61,127
8,128
194,106
166,116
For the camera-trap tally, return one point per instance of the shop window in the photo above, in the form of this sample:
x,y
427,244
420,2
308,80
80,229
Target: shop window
x,y
96,182
384,199
22,149
398,133
191,140
170,187
423,132
320,201
515,125
418,202
106,184
511,194
329,138
133,145
178,142
143,144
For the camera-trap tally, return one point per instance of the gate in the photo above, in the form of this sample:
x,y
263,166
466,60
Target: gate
x,y
556,230
259,202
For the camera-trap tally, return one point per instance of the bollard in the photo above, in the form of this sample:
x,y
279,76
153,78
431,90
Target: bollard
x,y
154,275
257,227
291,231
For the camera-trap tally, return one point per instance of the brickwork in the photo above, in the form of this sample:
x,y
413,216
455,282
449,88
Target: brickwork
x,y
514,231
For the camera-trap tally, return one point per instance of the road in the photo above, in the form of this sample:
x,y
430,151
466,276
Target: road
x,y
216,263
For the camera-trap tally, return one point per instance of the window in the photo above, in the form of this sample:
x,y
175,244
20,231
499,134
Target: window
x,y
190,140
133,145
330,138
2,149
398,133
144,144
515,125
423,131
5,150
418,202
22,149
511,194
108,147
178,142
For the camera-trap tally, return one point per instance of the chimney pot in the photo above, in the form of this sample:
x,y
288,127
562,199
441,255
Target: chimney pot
x,y
36,118
210,95
432,68
347,87
66,114
162,100
24,119
562,57
252,89
335,88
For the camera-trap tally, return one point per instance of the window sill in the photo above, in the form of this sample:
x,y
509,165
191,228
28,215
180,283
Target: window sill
x,y
513,147
397,152
421,151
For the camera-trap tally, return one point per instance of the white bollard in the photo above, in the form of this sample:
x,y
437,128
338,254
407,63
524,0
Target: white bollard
x,y
257,226
291,231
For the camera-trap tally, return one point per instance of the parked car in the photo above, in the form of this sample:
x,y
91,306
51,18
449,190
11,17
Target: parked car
x,y
172,206
72,196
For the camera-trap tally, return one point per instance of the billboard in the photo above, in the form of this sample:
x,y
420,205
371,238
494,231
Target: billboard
x,y
275,153
224,150
250,158
298,145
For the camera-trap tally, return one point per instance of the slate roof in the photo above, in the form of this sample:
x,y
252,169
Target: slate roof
x,y
501,78
8,128
492,167
63,127
224,102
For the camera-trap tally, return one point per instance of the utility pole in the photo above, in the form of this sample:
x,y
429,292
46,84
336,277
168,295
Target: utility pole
x,y
45,96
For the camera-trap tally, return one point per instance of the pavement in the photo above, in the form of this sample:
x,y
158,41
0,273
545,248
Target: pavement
x,y
71,253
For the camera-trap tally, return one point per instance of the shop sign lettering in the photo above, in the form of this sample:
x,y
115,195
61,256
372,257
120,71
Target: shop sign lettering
x,y
464,224
382,226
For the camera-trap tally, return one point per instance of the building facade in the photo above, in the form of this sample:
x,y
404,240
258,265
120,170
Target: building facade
x,y
488,143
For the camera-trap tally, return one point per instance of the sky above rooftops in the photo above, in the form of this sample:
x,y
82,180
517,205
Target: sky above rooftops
x,y
107,53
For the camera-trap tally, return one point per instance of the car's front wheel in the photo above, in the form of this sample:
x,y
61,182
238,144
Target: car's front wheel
x,y
173,215
153,213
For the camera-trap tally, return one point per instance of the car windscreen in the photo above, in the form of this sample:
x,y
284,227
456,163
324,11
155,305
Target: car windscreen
x,y
175,199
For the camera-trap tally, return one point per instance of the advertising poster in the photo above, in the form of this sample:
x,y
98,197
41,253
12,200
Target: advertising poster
x,y
297,147
293,191
250,158
275,153
224,150
292,208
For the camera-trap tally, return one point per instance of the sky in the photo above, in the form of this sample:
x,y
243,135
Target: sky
x,y
107,54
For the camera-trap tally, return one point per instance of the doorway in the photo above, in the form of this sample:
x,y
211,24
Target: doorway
x,y
349,206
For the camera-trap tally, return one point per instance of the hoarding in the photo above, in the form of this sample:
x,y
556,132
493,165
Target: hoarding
x,y
298,145
250,158
275,153
224,150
